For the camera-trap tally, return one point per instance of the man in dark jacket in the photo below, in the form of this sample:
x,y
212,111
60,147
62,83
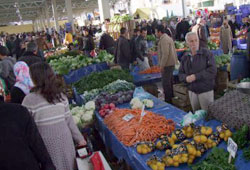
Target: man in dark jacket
x,y
30,56
142,50
233,25
182,28
133,45
6,67
198,71
88,42
122,50
107,42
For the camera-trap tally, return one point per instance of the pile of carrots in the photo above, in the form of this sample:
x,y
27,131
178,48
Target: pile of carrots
x,y
151,127
154,69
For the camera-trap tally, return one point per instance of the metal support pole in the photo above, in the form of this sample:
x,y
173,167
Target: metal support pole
x,y
53,3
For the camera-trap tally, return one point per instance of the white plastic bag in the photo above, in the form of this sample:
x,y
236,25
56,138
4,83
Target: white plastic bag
x,y
143,65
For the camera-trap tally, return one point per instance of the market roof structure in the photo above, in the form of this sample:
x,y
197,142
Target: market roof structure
x,y
23,10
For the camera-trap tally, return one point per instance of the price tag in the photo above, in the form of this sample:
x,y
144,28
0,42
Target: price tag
x,y
82,152
232,149
128,117
142,113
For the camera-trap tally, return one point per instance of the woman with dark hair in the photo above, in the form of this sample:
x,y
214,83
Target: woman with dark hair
x,y
21,144
50,110
88,42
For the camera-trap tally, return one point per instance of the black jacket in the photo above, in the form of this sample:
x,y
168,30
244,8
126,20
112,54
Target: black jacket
x,y
30,58
21,145
182,28
106,42
233,27
141,48
17,95
88,43
122,52
203,66
133,48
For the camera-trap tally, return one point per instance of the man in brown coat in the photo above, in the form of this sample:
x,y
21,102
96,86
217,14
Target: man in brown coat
x,y
200,30
167,59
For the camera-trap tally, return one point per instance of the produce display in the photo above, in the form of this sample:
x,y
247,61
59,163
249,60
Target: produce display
x,y
245,80
240,137
179,44
98,80
107,109
212,45
55,52
116,98
83,115
151,38
136,103
216,160
187,143
130,132
222,60
64,64
240,52
152,70
145,147
120,19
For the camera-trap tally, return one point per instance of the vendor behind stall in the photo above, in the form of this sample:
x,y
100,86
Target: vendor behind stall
x,y
198,71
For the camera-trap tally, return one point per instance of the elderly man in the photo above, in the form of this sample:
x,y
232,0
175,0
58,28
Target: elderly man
x,y
167,59
198,71
200,30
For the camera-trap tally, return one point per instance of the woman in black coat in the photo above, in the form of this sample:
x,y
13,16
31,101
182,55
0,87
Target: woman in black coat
x,y
21,145
88,42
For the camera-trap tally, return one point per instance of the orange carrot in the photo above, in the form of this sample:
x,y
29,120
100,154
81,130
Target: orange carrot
x,y
149,129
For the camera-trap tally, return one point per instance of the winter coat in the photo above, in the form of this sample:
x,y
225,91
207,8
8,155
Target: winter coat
x,y
226,38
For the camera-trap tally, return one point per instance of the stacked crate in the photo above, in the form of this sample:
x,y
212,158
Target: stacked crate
x,y
181,97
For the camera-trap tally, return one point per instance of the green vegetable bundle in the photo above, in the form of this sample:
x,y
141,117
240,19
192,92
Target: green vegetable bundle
x,y
222,60
212,46
98,80
65,64
216,160
245,80
240,52
179,44
240,137
151,38
121,19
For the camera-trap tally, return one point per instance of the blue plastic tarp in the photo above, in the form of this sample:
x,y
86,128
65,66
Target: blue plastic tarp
x,y
76,75
137,161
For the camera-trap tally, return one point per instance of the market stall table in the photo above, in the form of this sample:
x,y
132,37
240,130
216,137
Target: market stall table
x,y
137,161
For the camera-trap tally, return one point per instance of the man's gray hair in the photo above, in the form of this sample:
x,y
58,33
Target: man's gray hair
x,y
189,34
32,47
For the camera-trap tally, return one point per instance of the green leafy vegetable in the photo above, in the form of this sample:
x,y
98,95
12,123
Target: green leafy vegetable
x,y
216,160
240,137
222,60
212,46
246,153
179,44
64,64
98,80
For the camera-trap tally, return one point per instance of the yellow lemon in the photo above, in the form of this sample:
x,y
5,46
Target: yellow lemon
x,y
144,151
139,149
203,130
176,158
170,161
198,153
213,144
153,167
222,135
184,159
209,131
174,137
189,129
197,139
176,164
203,139
228,133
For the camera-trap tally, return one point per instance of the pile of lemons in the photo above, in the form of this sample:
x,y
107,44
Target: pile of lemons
x,y
186,144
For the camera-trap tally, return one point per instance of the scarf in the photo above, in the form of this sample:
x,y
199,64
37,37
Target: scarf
x,y
23,80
